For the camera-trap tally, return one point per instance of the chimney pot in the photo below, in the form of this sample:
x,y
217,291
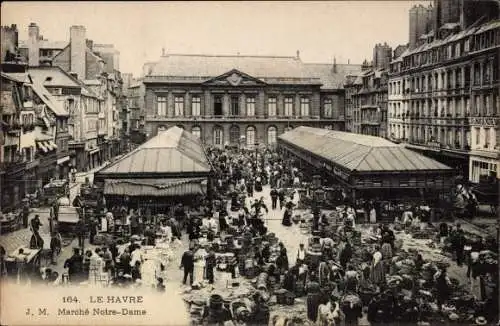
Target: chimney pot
x,y
298,54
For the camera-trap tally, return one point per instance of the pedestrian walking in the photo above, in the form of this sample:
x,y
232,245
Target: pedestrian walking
x,y
274,198
187,263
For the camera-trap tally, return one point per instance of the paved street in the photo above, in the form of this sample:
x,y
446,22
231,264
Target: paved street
x,y
13,240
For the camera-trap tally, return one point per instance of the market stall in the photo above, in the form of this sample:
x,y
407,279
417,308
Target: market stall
x,y
170,165
368,166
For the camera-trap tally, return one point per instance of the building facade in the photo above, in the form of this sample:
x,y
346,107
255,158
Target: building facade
x,y
242,100
366,95
96,69
135,98
443,99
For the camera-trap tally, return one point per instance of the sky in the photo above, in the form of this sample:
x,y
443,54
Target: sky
x,y
346,30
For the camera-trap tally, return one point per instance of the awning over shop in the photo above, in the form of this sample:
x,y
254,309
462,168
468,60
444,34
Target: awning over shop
x,y
155,187
50,144
42,146
63,160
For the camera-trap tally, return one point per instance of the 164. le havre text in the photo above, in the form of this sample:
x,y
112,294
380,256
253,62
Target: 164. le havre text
x,y
109,305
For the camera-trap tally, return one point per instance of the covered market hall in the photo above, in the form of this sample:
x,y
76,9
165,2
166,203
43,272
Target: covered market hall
x,y
366,167
171,165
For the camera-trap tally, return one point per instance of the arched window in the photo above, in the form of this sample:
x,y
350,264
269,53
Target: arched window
x,y
234,135
251,137
218,136
196,131
271,135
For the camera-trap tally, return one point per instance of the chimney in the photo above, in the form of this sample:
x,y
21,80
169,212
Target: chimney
x,y
334,65
162,52
33,45
298,54
348,61
90,44
78,45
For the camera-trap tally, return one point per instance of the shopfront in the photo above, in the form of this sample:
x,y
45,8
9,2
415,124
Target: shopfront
x,y
93,158
63,167
483,168
32,183
13,185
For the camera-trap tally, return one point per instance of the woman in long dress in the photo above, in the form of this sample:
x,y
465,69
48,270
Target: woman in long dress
x,y
373,216
377,273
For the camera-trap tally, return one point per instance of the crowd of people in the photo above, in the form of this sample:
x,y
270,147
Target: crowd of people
x,y
344,271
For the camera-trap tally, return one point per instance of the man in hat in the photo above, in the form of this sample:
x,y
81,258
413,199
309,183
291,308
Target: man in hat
x,y
210,263
301,254
274,198
187,263
26,214
74,264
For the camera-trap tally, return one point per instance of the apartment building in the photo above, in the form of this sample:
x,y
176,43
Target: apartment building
x,y
444,99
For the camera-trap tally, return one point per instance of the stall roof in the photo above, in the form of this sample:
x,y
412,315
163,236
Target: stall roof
x,y
357,152
172,151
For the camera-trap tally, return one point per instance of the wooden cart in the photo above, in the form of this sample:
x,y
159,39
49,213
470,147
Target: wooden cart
x,y
24,260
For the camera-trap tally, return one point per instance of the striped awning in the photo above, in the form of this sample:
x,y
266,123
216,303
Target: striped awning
x,y
42,146
51,145
156,187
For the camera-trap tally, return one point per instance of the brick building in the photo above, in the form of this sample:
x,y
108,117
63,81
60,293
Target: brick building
x,y
242,100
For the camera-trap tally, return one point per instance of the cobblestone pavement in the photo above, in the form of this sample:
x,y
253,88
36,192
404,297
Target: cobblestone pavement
x,y
21,237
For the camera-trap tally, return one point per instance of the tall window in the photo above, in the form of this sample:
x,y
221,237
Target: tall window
x,y
234,135
250,106
235,106
161,105
271,135
196,131
486,137
288,106
478,136
179,106
217,106
195,106
218,136
250,137
271,106
327,108
304,106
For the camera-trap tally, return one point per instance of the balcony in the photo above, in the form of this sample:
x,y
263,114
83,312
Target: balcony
x,y
368,122
255,118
